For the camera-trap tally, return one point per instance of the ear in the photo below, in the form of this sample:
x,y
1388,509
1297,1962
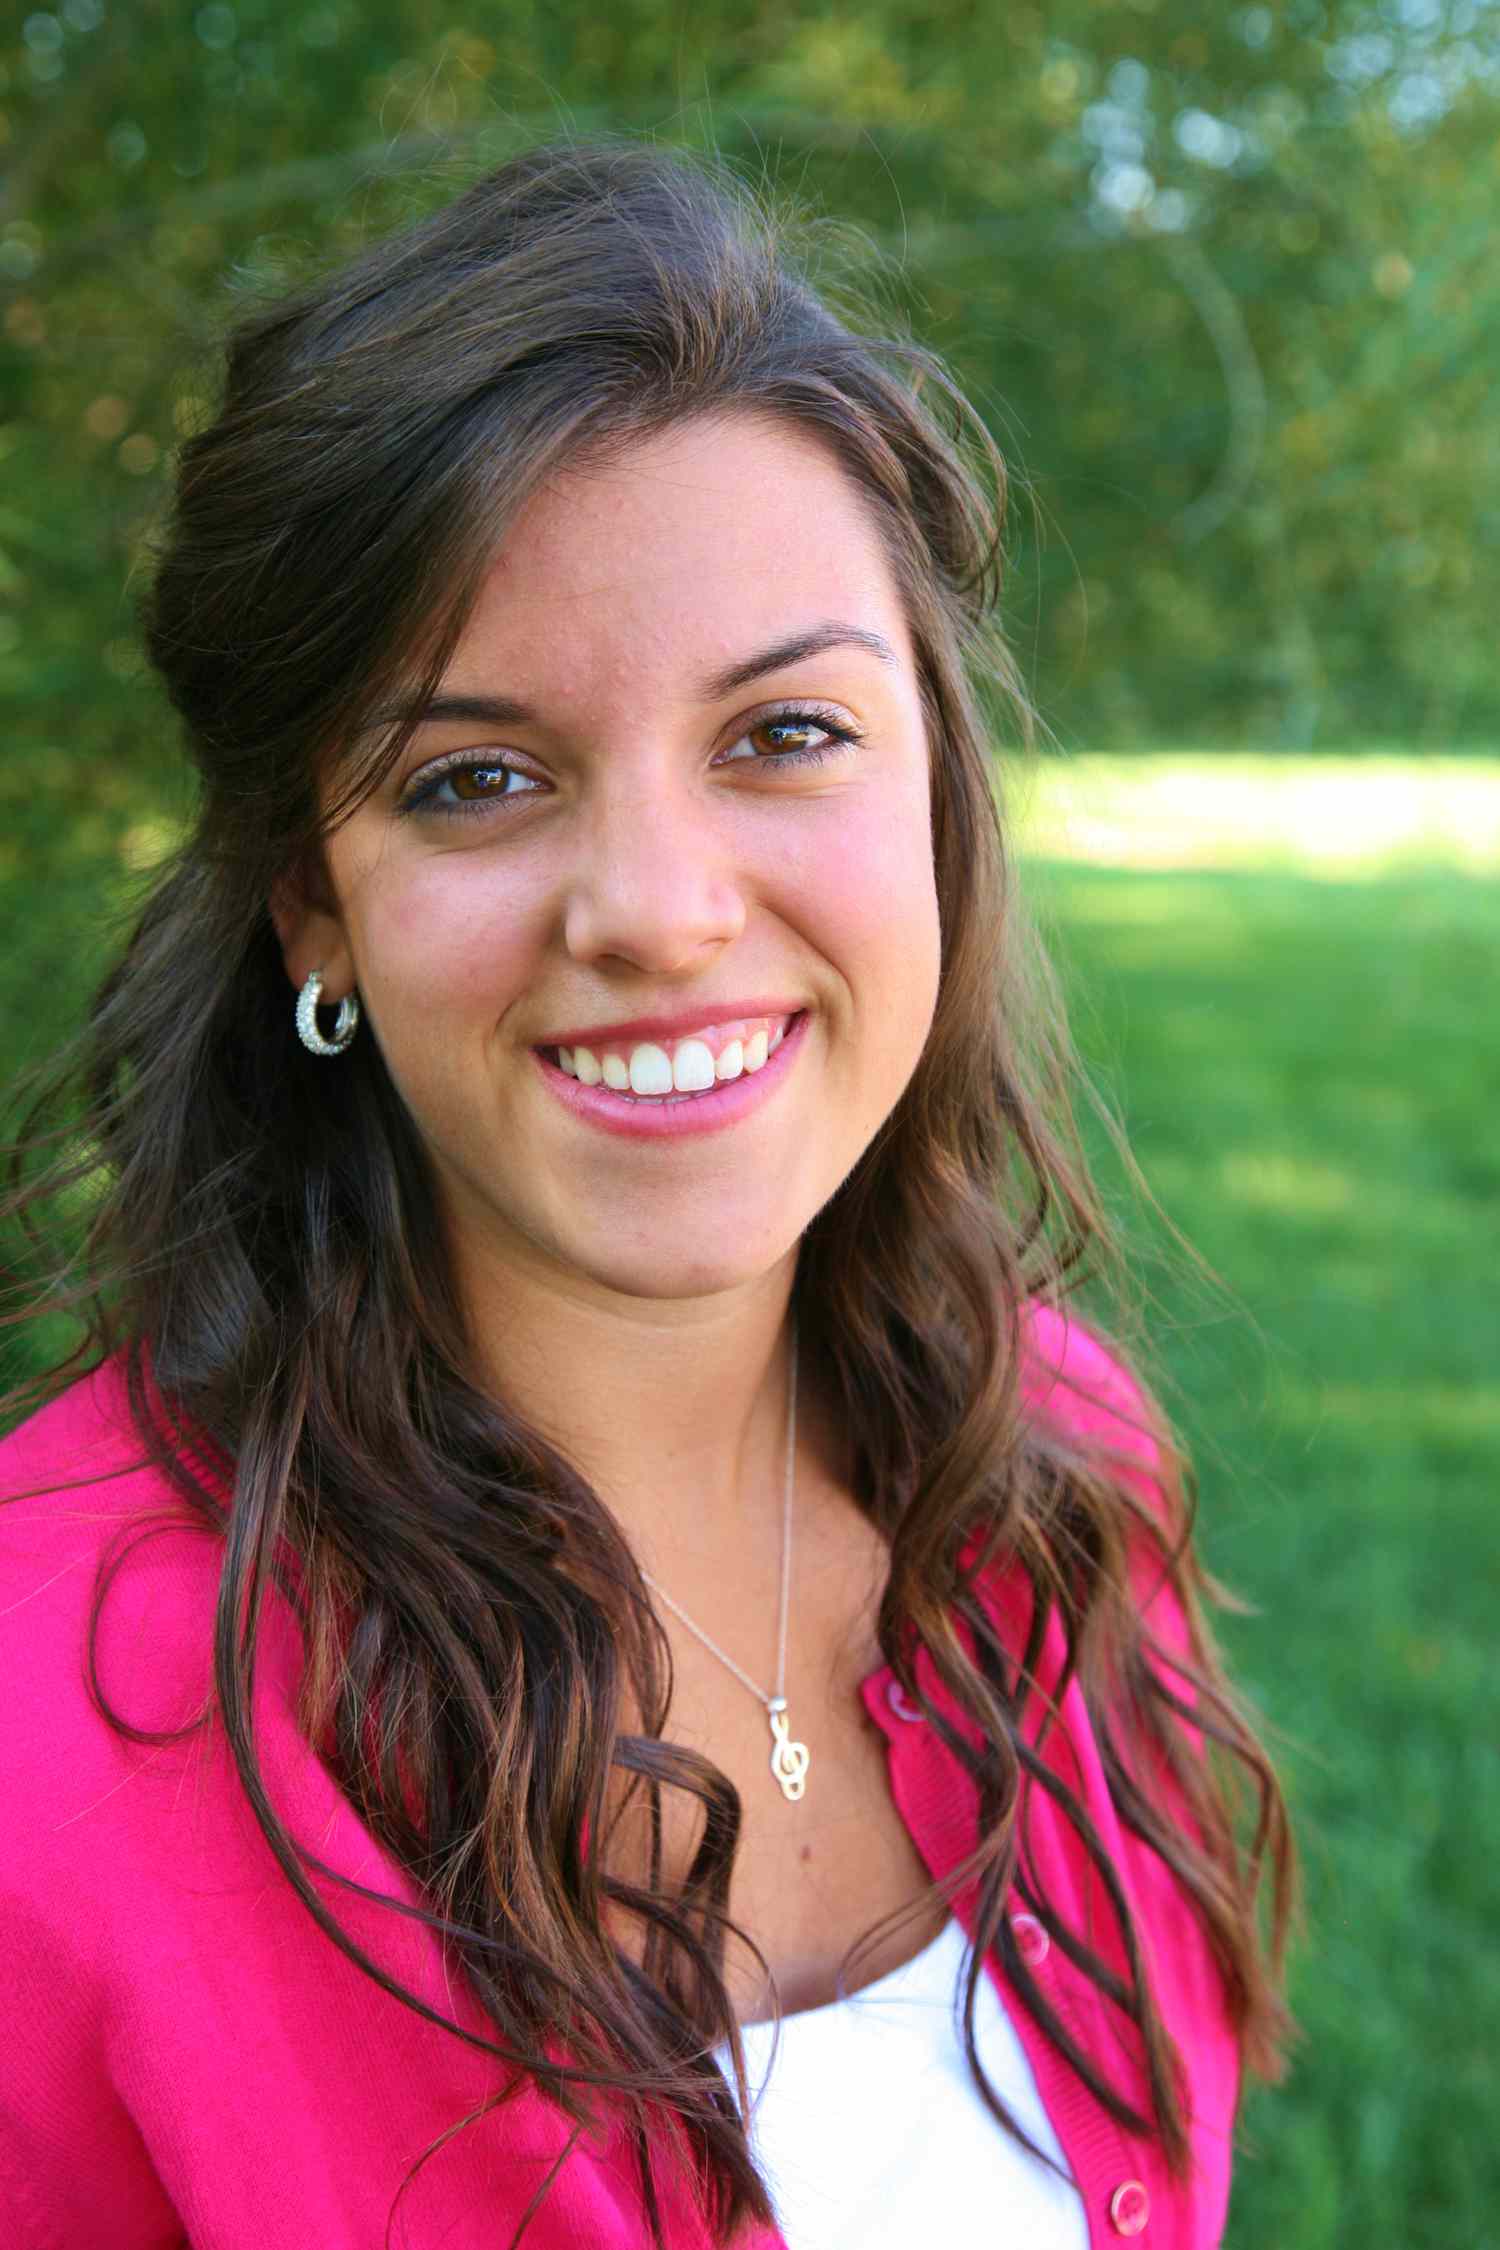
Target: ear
x,y
311,936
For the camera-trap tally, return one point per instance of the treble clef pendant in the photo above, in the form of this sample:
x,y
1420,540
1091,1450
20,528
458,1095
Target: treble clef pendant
x,y
789,1759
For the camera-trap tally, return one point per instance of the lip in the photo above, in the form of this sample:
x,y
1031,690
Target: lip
x,y
669,1026
713,1112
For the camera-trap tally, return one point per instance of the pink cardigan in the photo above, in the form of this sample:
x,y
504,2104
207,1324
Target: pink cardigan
x,y
188,2060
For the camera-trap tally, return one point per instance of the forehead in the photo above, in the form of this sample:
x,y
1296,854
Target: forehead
x,y
685,548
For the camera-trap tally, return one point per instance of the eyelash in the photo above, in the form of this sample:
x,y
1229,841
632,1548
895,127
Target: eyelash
x,y
423,798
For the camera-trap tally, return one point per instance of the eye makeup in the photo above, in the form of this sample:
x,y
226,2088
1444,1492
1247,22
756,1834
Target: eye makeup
x,y
422,795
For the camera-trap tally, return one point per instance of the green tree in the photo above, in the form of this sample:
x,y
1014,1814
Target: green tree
x,y
1219,283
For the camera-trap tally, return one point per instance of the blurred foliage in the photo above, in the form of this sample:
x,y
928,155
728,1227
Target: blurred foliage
x,y
1295,1061
1218,279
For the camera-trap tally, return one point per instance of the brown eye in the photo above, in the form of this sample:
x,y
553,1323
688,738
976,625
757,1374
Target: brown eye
x,y
785,734
468,787
469,783
794,738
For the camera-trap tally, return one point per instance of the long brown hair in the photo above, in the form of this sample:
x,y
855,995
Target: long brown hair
x,y
259,1239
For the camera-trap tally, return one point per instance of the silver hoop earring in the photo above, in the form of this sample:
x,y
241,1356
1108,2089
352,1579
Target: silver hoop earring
x,y
307,1019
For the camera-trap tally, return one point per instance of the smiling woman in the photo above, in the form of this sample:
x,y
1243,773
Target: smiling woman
x,y
659,851
578,630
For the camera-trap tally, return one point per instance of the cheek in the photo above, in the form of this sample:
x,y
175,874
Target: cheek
x,y
444,935
870,904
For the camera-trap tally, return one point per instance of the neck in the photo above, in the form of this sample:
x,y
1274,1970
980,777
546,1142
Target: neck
x,y
674,1409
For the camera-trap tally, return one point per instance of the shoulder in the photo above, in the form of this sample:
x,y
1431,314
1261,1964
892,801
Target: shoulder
x,y
116,1776
74,1477
83,1431
1070,1376
1075,1386
71,1477
106,1577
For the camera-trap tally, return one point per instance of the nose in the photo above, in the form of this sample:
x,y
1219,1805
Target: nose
x,y
654,881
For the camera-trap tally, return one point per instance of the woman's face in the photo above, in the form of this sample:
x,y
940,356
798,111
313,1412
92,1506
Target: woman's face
x,y
594,827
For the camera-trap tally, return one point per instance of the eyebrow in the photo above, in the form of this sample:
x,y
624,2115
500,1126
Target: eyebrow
x,y
792,651
506,711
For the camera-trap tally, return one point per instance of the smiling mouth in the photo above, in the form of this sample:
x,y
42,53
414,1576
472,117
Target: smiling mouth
x,y
689,1069
670,1115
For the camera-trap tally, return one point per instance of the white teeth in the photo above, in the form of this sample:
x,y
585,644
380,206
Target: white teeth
x,y
650,1069
656,1072
692,1067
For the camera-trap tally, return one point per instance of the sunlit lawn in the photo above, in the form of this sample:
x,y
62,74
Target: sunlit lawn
x,y
1304,1051
1284,972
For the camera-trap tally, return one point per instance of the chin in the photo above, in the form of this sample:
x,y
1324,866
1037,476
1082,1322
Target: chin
x,y
657,1274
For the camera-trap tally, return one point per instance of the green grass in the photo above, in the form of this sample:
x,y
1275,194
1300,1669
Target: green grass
x,y
1290,995
1309,1074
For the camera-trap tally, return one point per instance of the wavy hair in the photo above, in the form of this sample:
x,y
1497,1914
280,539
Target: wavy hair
x,y
257,1235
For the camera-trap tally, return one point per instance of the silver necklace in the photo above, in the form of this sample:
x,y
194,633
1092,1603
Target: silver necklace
x,y
789,1760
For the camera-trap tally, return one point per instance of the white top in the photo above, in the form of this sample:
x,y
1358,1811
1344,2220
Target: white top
x,y
869,2131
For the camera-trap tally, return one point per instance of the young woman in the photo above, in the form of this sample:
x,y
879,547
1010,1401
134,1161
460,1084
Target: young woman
x,y
584,1572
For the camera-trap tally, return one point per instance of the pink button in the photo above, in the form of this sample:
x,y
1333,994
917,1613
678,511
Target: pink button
x,y
1032,1941
896,1696
1129,2208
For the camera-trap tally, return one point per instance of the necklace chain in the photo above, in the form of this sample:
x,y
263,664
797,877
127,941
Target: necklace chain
x,y
789,1760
